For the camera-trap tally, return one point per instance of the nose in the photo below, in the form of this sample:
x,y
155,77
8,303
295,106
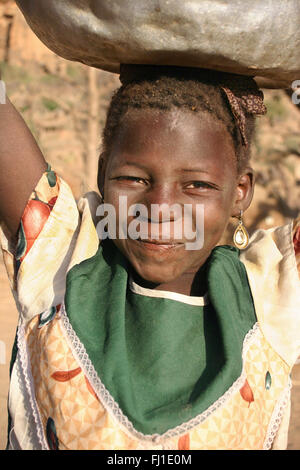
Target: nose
x,y
162,204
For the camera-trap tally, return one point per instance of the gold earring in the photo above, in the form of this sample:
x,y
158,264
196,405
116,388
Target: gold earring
x,y
241,236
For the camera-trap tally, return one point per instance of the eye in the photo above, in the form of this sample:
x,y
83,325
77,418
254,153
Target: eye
x,y
199,185
131,179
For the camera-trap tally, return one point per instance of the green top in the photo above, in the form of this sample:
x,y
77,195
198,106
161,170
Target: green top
x,y
164,361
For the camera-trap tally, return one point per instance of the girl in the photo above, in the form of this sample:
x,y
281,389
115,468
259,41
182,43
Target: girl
x,y
141,343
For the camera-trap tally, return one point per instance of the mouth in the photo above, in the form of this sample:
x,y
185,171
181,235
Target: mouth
x,y
159,245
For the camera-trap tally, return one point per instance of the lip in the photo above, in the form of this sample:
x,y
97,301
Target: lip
x,y
158,245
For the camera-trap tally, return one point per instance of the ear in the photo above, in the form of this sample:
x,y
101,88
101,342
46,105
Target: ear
x,y
244,191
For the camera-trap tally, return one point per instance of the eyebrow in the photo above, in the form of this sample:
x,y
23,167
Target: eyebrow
x,y
126,163
186,170
194,170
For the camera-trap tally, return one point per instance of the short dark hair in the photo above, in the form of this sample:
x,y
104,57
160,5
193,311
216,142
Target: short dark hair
x,y
174,87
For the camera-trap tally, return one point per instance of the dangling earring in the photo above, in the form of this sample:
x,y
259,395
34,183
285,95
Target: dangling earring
x,y
241,236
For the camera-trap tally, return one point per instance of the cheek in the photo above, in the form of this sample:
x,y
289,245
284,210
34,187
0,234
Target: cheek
x,y
113,192
121,204
216,217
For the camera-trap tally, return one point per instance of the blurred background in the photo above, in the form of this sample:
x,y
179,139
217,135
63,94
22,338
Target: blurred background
x,y
64,104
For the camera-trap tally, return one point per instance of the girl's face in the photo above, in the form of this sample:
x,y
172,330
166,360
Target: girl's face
x,y
174,157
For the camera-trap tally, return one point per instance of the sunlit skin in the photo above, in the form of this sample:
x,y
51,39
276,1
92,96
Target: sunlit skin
x,y
182,157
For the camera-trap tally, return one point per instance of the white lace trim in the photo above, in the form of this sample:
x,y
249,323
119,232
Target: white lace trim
x,y
29,383
277,416
113,408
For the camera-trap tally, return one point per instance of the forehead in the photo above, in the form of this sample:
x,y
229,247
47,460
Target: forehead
x,y
176,137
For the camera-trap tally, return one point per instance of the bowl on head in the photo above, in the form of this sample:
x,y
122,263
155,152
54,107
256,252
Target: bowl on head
x,y
261,39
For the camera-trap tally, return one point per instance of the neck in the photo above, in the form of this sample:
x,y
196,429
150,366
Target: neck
x,y
189,283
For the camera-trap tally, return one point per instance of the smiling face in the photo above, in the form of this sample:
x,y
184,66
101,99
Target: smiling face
x,y
174,157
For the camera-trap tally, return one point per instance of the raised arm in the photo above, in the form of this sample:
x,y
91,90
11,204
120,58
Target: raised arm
x,y
21,166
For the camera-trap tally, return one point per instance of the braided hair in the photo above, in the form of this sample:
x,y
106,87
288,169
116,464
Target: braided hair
x,y
198,90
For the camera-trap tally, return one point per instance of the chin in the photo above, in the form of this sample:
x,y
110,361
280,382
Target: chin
x,y
156,276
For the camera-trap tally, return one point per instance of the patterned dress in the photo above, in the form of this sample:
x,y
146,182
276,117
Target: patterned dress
x,y
100,362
